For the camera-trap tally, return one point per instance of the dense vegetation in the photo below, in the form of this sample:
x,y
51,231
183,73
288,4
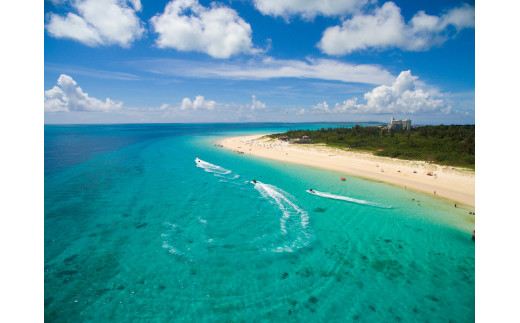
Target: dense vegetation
x,y
452,145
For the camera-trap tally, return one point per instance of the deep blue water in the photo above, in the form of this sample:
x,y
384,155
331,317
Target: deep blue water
x,y
135,229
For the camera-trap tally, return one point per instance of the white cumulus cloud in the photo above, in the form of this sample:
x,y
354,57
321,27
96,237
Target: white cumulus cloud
x,y
199,103
300,111
99,22
256,104
321,108
400,97
386,28
68,96
188,26
307,9
188,106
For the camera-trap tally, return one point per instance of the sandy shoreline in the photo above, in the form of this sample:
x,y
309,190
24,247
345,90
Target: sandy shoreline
x,y
455,184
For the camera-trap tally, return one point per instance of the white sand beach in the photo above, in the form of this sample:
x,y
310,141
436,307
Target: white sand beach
x,y
455,184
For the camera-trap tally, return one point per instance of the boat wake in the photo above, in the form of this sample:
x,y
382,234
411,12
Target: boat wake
x,y
346,198
294,223
216,170
172,241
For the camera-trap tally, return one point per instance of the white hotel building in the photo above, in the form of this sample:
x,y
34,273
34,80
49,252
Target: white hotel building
x,y
397,125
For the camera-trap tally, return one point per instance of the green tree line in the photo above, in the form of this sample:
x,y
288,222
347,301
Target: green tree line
x,y
452,145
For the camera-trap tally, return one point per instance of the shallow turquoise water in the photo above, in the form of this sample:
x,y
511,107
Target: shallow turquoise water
x,y
134,230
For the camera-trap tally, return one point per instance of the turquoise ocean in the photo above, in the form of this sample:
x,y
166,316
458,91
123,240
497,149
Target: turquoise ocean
x,y
137,230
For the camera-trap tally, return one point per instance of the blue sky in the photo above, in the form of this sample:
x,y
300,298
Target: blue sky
x,y
109,61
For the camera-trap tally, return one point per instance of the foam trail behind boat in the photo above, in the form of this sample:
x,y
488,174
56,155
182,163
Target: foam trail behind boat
x,y
294,221
216,170
346,198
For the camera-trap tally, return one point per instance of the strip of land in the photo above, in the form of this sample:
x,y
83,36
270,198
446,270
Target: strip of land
x,y
455,184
